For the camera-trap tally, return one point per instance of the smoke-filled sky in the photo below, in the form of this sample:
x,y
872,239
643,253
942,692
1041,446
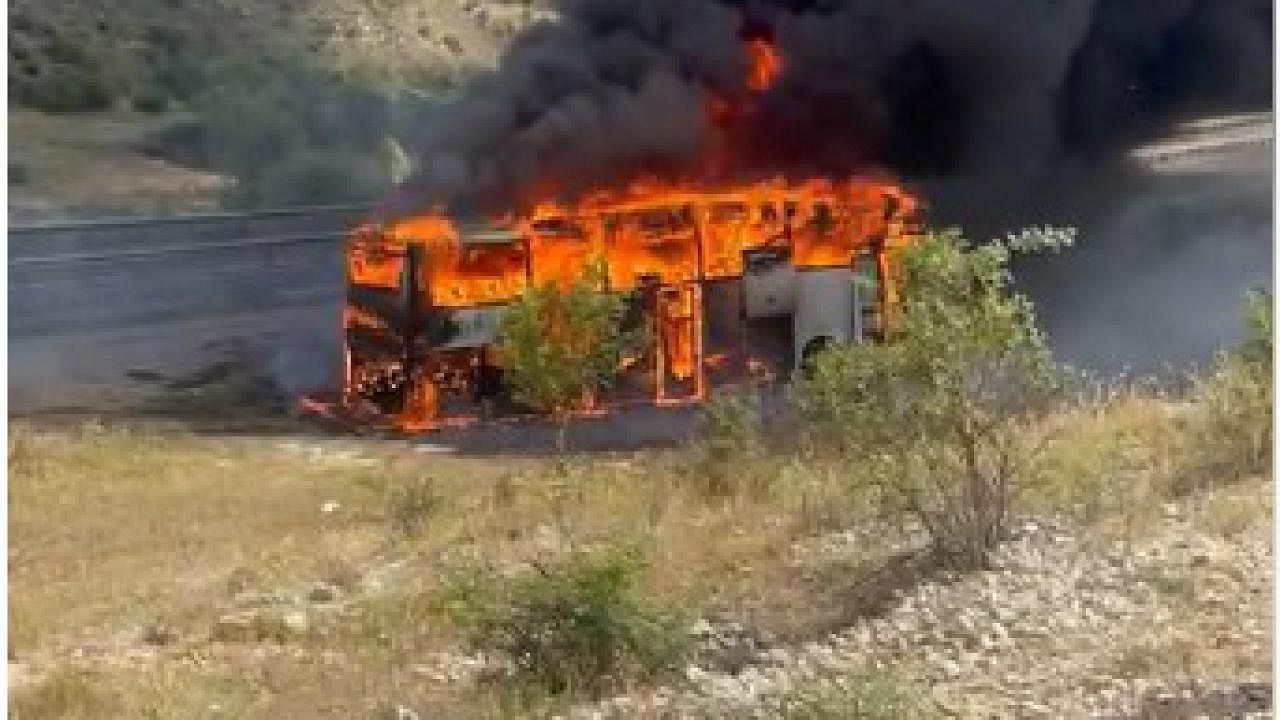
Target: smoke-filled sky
x,y
924,88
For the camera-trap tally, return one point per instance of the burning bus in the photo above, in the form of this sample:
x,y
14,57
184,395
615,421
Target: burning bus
x,y
736,278
735,283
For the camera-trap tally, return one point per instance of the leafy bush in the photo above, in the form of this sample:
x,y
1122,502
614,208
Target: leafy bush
x,y
937,416
62,88
178,61
53,68
560,346
1226,432
579,626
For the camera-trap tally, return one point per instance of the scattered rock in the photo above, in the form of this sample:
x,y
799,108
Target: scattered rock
x,y
1046,634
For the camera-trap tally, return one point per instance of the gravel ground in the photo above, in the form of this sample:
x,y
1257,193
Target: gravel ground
x,y
1176,624
1172,623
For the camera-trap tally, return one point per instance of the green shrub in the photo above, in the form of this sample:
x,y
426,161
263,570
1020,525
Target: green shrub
x,y
560,346
63,88
178,62
937,417
55,69
577,627
1226,432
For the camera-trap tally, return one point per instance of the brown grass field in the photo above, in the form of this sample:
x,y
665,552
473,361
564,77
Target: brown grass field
x,y
131,545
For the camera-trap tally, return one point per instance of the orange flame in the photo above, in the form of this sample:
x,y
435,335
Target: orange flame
x,y
765,64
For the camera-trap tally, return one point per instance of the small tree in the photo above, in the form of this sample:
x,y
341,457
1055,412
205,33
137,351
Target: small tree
x,y
559,346
936,415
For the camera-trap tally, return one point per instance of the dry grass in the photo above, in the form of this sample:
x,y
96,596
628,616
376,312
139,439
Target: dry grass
x,y
1115,464
113,529
1229,513
116,529
1109,462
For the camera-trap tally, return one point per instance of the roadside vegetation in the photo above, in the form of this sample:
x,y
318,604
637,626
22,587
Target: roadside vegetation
x,y
940,418
162,574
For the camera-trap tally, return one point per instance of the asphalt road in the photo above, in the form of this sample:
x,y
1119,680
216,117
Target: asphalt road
x,y
91,305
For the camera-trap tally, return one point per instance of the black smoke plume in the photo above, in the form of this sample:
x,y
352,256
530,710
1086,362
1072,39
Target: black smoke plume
x,y
923,88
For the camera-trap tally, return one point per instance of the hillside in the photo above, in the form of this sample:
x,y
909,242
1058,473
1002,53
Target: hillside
x,y
74,55
92,83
